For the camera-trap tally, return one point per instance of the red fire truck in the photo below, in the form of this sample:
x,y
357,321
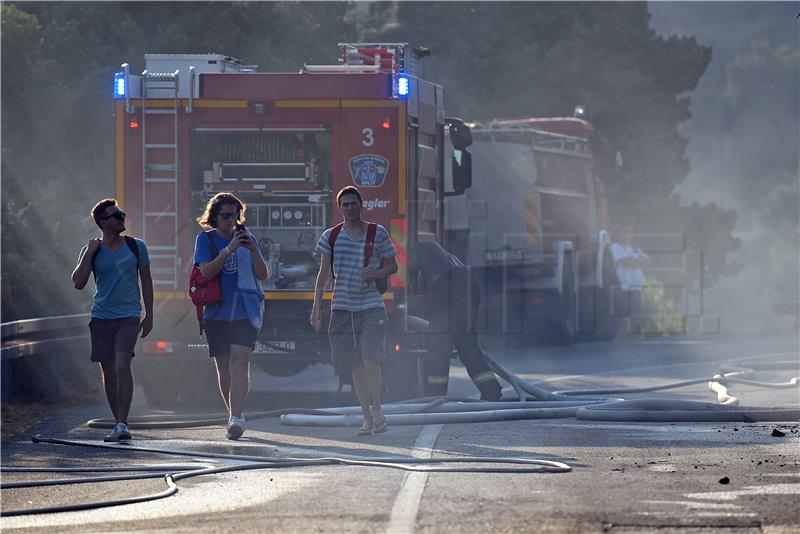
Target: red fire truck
x,y
536,218
191,126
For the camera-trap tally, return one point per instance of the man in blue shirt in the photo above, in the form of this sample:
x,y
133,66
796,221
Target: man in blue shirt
x,y
117,262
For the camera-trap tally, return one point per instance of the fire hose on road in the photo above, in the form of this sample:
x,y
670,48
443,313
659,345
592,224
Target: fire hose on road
x,y
589,404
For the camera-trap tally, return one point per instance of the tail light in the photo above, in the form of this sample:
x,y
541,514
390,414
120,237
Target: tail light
x,y
159,346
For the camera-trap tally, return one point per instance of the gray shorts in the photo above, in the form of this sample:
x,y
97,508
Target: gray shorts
x,y
357,336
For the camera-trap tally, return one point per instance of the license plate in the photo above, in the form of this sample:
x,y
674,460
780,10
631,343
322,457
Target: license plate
x,y
274,347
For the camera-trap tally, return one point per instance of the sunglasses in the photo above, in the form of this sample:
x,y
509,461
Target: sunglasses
x,y
119,215
229,216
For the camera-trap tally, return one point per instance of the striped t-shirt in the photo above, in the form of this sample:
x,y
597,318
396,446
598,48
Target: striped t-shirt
x,y
352,292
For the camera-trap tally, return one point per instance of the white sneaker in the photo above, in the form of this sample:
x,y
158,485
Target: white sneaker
x,y
120,433
235,427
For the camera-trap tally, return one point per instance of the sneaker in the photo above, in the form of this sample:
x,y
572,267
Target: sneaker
x,y
235,427
120,433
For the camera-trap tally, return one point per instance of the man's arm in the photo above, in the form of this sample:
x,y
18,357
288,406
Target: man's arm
x,y
147,295
319,290
80,276
389,269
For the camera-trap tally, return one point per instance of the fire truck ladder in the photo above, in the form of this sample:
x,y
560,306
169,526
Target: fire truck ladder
x,y
160,167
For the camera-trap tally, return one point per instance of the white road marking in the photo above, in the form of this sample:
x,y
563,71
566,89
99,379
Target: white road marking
x,y
698,514
697,505
769,489
662,468
406,504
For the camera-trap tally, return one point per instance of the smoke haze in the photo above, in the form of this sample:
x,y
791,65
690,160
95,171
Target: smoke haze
x,y
743,146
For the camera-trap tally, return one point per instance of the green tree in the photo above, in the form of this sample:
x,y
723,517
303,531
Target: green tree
x,y
514,59
59,63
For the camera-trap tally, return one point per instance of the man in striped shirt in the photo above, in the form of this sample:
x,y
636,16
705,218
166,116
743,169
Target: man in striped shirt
x,y
357,329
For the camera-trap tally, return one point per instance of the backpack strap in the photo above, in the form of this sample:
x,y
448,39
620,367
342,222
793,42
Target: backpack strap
x,y
214,251
131,242
214,254
331,240
134,248
369,243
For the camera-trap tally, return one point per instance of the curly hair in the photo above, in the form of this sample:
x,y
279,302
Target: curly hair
x,y
209,217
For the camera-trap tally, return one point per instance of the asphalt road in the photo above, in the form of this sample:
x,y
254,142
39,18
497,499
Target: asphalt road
x,y
625,477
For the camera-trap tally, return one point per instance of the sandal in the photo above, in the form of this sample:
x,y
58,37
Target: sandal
x,y
366,429
381,427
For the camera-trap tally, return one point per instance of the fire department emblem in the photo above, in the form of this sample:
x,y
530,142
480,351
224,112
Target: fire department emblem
x,y
369,170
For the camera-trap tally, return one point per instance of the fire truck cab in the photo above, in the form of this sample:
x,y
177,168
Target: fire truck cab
x,y
193,125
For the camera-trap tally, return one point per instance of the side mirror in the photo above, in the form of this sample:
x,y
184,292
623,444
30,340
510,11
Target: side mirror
x,y
462,171
460,134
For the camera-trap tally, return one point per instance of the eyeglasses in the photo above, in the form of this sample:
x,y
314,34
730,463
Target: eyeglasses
x,y
119,215
229,216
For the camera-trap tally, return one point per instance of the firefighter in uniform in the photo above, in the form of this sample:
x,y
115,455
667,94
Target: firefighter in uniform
x,y
454,298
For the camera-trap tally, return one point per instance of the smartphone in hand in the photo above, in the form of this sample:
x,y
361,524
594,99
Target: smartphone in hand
x,y
240,233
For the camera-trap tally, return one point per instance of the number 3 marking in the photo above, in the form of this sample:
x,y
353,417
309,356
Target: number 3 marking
x,y
368,140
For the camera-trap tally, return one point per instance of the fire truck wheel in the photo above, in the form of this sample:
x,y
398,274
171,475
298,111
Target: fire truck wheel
x,y
282,368
567,311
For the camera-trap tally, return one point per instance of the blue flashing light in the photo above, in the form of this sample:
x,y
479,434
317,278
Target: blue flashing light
x,y
402,85
120,88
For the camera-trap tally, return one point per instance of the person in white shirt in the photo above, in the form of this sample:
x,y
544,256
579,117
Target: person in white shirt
x,y
629,262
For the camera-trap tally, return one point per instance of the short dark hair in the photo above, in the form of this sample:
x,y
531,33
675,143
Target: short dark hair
x,y
348,190
100,208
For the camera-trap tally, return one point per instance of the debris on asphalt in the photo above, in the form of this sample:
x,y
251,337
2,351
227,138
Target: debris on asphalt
x,y
724,480
777,433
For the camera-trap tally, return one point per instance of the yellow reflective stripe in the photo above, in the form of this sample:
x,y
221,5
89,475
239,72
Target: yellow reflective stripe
x,y
200,103
120,142
438,379
486,376
307,103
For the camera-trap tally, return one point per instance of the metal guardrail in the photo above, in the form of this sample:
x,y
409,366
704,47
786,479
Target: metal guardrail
x,y
45,337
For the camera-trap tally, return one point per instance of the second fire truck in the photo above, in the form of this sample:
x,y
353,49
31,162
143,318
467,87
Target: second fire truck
x,y
533,228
